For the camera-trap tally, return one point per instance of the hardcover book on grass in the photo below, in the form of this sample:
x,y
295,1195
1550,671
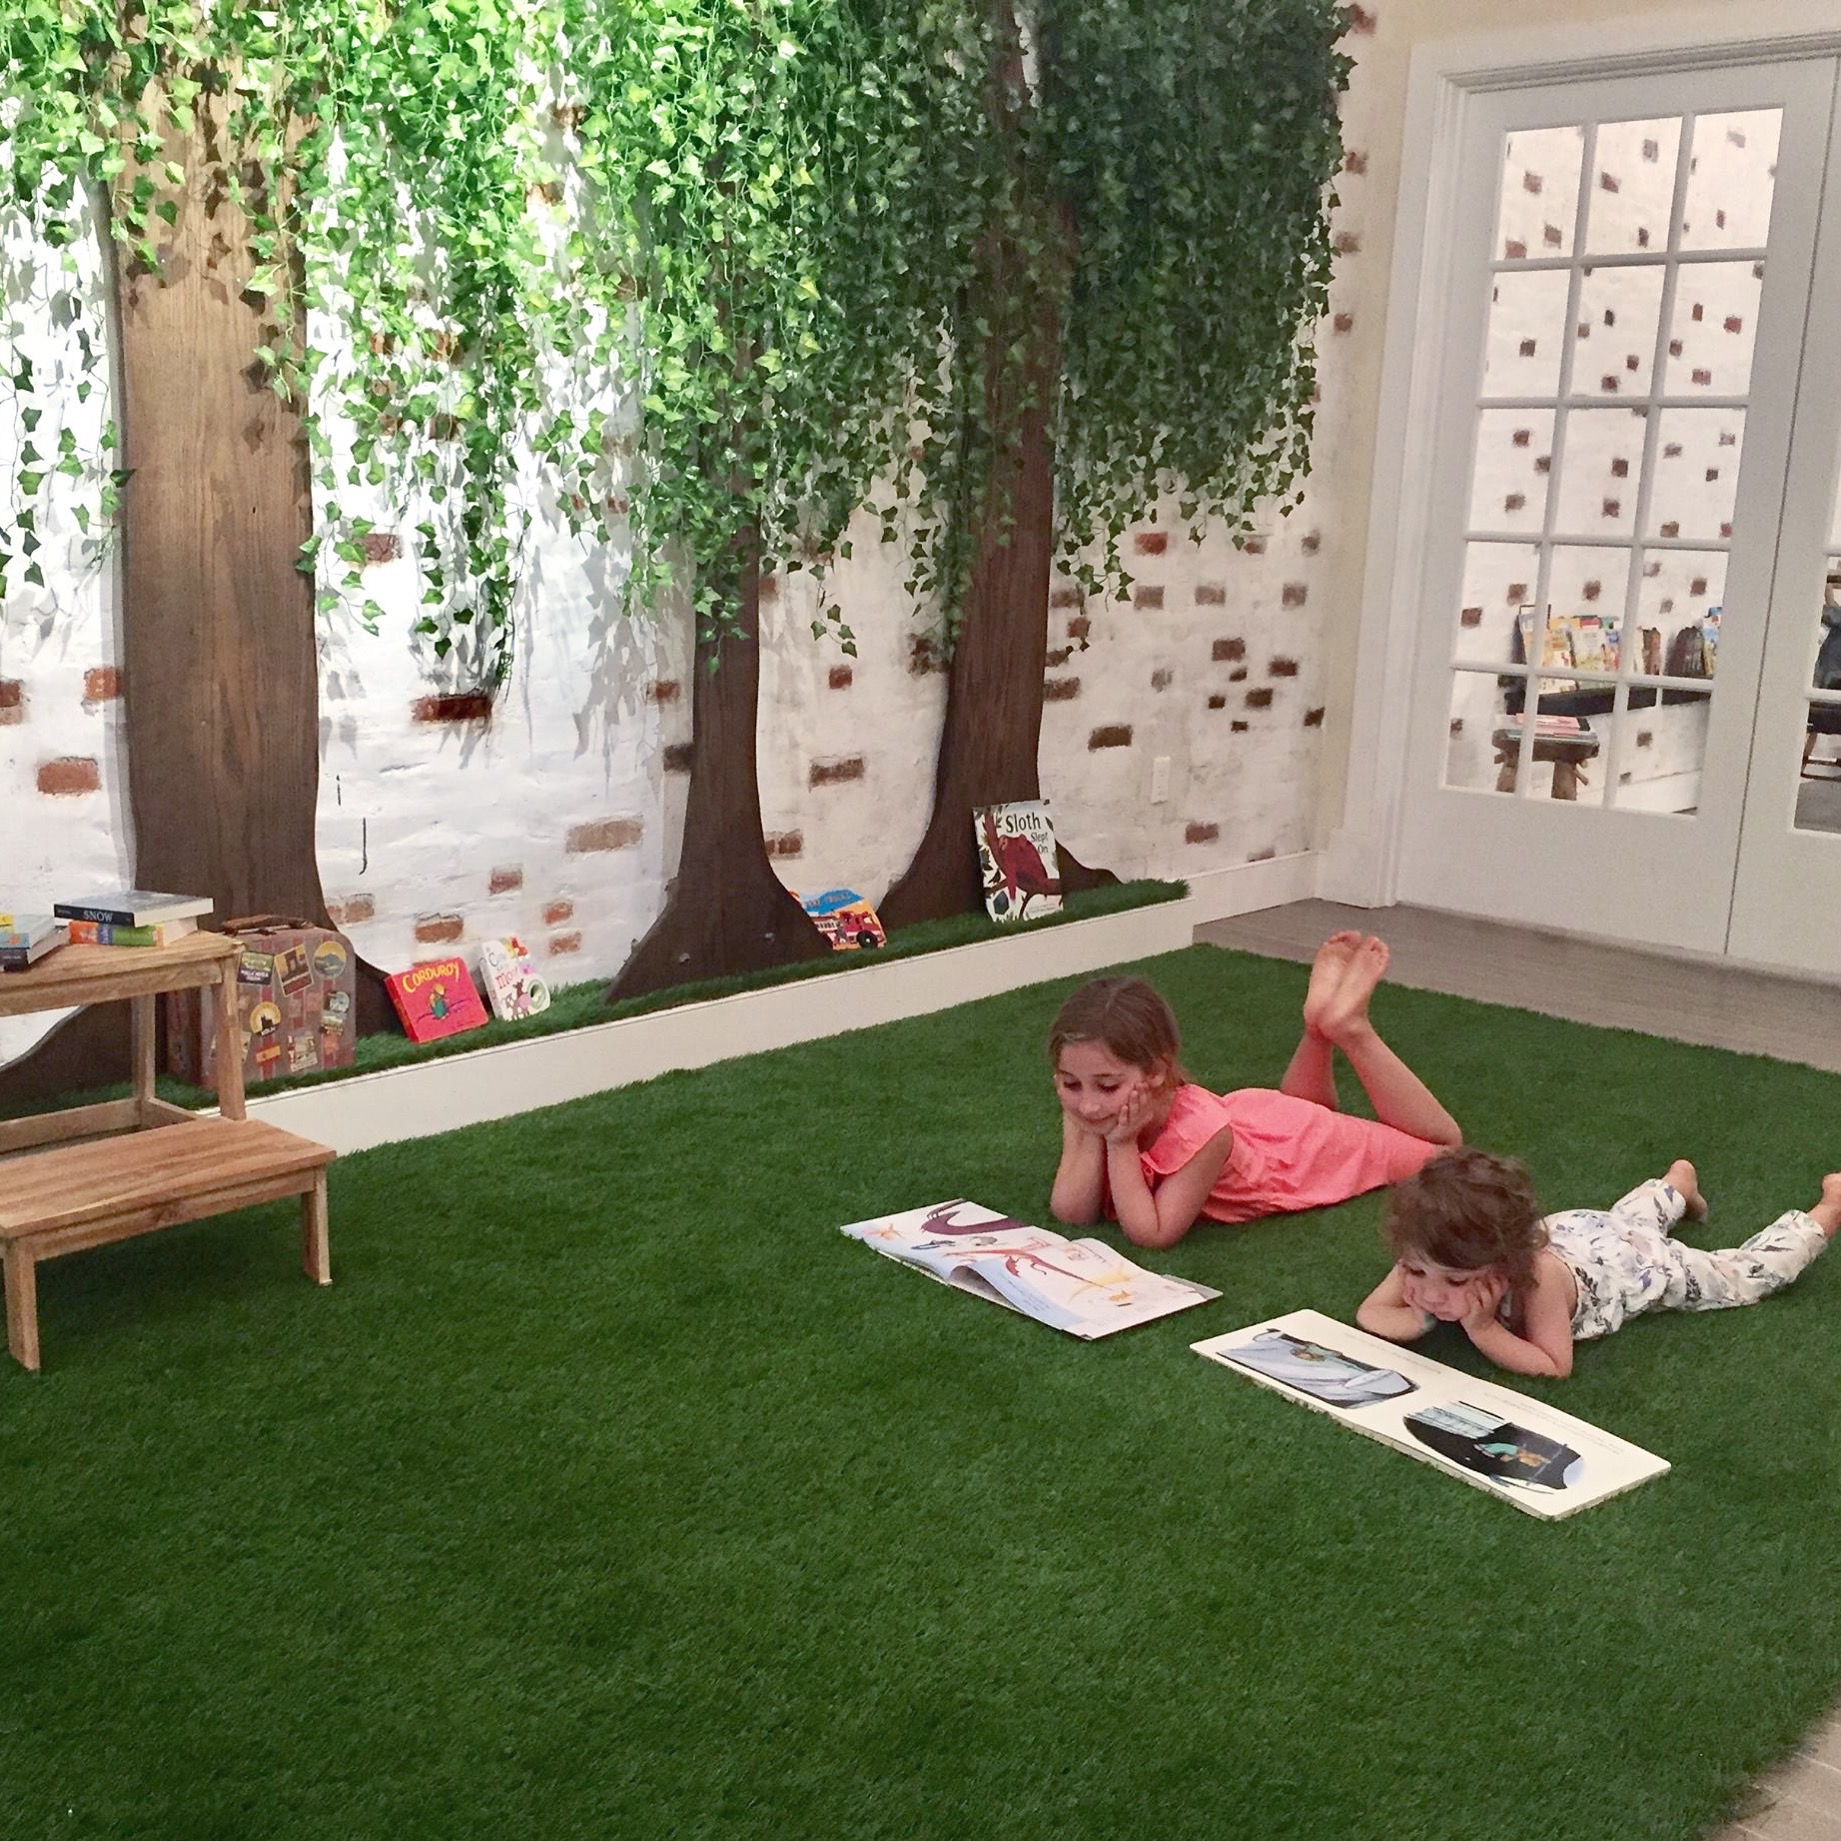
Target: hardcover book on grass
x,y
845,919
1081,1286
513,986
435,999
1544,1461
133,908
1017,862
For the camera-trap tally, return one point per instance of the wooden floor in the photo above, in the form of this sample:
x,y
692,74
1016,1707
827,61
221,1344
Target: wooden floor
x,y
1691,1000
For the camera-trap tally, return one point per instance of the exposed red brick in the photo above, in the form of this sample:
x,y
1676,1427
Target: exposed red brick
x,y
101,684
1147,594
558,911
1354,162
604,834
1470,616
1115,735
1702,376
785,843
1347,243
438,929
358,908
1294,594
665,690
1457,725
335,914
1260,699
1210,594
1079,627
677,757
1065,597
1194,833
12,701
1514,250
770,588
69,775
1218,701
1160,678
1253,546
1060,690
1228,649
465,706
1358,19
561,943
1238,727
1313,719
840,677
1343,322
834,773
381,547
503,881
1311,542
1059,657
1150,543
1237,676
1282,668
1645,738
925,655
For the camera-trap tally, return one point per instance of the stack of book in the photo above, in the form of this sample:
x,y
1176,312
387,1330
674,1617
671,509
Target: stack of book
x,y
132,917
26,938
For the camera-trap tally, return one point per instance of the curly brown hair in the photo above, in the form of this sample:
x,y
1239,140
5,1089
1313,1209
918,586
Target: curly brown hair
x,y
1126,1017
1468,1210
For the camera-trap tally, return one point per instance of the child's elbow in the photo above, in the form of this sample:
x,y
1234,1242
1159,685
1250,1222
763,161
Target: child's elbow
x,y
1154,1234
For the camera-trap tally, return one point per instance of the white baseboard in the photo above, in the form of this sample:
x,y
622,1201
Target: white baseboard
x,y
1220,894
426,1097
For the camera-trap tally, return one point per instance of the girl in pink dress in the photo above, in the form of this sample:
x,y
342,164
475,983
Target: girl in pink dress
x,y
1141,1143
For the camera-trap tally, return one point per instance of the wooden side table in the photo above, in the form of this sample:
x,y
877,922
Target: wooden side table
x,y
76,1178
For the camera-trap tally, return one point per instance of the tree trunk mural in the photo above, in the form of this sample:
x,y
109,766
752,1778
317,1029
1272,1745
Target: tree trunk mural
x,y
219,670
725,911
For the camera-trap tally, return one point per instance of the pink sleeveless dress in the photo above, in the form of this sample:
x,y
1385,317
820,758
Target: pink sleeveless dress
x,y
1288,1153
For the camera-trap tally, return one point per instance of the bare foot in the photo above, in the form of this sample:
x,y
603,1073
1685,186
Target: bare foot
x,y
1346,1013
1826,1214
1684,1179
1326,972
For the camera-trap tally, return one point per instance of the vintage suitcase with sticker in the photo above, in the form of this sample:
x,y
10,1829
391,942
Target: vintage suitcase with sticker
x,y
297,992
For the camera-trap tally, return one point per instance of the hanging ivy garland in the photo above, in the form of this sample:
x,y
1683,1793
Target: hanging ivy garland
x,y
695,273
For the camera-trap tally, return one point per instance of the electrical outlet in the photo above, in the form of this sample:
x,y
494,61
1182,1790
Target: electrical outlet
x,y
1160,779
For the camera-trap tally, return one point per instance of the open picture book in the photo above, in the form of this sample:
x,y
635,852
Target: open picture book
x,y
1540,1459
1081,1286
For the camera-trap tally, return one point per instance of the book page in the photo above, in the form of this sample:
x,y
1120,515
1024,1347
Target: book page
x,y
1544,1461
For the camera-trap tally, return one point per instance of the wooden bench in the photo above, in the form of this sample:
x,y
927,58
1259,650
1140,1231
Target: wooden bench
x,y
85,1195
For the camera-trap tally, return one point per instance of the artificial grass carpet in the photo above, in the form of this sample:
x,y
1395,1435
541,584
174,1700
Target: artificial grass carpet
x,y
610,1492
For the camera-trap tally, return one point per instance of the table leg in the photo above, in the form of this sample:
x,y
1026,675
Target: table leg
x,y
142,1038
229,1047
1565,780
315,1253
22,1305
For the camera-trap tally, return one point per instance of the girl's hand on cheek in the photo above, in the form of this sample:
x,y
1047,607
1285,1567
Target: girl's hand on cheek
x,y
1133,1114
1484,1299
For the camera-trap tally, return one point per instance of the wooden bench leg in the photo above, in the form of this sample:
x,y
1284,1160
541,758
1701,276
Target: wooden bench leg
x,y
315,1253
22,1305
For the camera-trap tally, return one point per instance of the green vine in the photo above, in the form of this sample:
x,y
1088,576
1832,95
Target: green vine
x,y
699,277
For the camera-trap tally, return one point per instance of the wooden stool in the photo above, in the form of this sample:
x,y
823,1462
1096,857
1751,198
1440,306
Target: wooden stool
x,y
1568,753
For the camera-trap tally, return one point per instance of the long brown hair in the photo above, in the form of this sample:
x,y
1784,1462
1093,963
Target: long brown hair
x,y
1127,1018
1468,1210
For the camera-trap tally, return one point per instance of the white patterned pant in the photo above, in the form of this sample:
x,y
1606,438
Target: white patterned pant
x,y
1625,1261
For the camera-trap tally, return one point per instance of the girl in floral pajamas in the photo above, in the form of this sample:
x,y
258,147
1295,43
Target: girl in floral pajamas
x,y
1471,1248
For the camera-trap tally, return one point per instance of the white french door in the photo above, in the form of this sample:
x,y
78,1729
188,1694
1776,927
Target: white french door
x,y
1625,502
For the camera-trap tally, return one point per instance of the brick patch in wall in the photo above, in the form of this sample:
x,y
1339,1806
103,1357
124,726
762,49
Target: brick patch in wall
x,y
1251,546
381,547
352,910
1147,594
1311,542
438,929
834,773
840,677
1343,322
1313,719
12,701
785,843
604,834
1079,627
1218,701
1064,597
1260,699
1059,657
462,706
1237,677
924,655
1210,594
558,911
1060,690
1115,735
1282,668
1150,543
664,690
1228,650
1200,834
561,943
1347,243
770,589
1238,727
1294,594
1162,678
101,684
1355,162
677,757
1358,19
69,776
503,881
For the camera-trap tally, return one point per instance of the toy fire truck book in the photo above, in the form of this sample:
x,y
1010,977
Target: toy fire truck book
x,y
1081,1286
845,919
513,987
1016,860
435,999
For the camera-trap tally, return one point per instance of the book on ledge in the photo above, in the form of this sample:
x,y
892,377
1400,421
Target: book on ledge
x,y
21,957
1543,1460
19,931
133,908
1081,1286
102,933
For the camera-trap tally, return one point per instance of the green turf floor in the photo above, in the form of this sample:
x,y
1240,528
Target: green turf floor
x,y
610,1493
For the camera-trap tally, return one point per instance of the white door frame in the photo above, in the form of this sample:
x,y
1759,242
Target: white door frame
x,y
1360,863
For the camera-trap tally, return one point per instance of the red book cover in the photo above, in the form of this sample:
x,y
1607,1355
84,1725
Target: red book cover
x,y
436,998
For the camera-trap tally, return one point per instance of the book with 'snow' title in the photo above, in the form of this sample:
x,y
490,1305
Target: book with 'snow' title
x,y
133,908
